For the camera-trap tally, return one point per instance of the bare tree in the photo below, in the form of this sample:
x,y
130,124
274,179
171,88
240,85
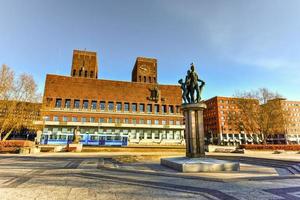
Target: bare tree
x,y
18,101
261,112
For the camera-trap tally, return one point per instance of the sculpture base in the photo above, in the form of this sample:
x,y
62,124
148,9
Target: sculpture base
x,y
184,164
74,147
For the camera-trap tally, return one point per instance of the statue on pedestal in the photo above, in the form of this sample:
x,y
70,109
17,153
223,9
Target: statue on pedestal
x,y
76,136
190,86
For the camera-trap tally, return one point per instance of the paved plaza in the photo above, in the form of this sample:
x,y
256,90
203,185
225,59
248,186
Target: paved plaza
x,y
109,176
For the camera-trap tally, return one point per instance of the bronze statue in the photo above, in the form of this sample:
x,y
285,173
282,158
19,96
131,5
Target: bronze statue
x,y
190,86
76,137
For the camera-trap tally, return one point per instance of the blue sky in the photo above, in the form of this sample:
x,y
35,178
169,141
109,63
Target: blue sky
x,y
236,45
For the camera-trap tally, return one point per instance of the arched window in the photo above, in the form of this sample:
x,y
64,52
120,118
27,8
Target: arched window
x,y
145,79
154,79
150,79
80,72
91,74
85,73
140,78
74,72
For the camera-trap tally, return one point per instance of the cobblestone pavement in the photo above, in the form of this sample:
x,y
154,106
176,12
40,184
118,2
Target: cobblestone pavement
x,y
99,177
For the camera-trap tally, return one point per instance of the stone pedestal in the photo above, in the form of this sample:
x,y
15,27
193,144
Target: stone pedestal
x,y
77,147
184,164
194,129
195,160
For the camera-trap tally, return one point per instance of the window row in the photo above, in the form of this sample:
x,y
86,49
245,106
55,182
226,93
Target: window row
x,y
133,133
117,106
114,120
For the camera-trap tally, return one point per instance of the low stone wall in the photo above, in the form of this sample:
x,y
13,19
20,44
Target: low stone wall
x,y
29,150
253,152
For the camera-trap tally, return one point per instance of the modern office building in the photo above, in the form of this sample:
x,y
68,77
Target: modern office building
x,y
143,110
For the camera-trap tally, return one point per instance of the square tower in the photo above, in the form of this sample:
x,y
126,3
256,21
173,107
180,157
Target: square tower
x,y
84,64
145,70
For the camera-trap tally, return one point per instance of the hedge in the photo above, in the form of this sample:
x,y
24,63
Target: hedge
x,y
16,143
13,146
287,147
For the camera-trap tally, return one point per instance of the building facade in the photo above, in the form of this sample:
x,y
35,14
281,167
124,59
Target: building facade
x,y
143,110
293,124
221,126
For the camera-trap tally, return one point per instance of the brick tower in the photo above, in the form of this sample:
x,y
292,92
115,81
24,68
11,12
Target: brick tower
x,y
84,64
145,70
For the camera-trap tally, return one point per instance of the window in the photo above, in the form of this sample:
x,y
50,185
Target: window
x,y
55,130
177,135
141,134
142,107
110,120
55,118
164,109
171,135
102,105
58,103
164,134
126,121
74,119
74,72
85,73
149,134
150,80
149,121
145,79
140,78
92,119
177,122
83,119
171,109
149,108
163,122
156,108
46,118
68,103
134,107
126,107
76,103
171,122
132,135
156,135
142,121
117,120
101,120
91,74
94,105
85,104
119,106
65,119
64,130
110,106
154,80
134,121
156,122
177,109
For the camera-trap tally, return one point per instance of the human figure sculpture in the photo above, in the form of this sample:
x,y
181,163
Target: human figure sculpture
x,y
191,85
76,137
184,91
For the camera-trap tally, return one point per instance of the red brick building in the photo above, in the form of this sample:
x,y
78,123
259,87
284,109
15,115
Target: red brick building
x,y
221,128
144,110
